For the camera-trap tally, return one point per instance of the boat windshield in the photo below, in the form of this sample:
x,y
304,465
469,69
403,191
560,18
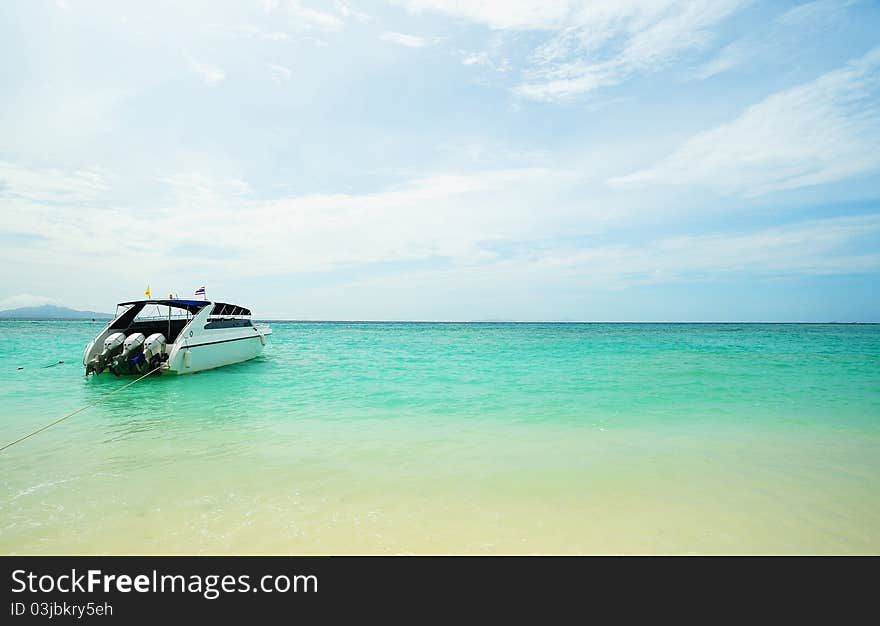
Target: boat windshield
x,y
168,317
156,311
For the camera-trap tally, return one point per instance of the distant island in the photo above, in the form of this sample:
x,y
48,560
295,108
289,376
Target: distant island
x,y
50,312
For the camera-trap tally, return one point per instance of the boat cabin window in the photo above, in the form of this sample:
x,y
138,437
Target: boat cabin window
x,y
222,309
225,315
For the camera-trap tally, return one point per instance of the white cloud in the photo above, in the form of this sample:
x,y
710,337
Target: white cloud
x,y
803,24
439,216
495,231
25,299
495,287
307,18
567,81
728,57
585,56
52,186
594,43
818,12
209,74
196,190
346,10
501,14
476,58
464,219
248,30
313,19
410,41
813,247
492,57
280,73
820,132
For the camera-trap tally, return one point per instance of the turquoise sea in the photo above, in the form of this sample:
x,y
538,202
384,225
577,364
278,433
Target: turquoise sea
x,y
352,438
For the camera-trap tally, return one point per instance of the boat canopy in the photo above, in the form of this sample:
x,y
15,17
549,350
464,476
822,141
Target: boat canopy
x,y
189,305
222,308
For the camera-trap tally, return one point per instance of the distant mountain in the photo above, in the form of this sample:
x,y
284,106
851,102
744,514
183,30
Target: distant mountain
x,y
51,312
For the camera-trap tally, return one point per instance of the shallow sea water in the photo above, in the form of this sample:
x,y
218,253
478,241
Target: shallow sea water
x,y
406,438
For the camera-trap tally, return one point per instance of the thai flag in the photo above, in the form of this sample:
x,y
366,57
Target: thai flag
x,y
200,291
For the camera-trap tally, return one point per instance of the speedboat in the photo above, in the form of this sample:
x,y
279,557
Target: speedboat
x,y
174,336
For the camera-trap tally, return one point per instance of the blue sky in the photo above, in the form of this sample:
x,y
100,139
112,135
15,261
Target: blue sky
x,y
433,159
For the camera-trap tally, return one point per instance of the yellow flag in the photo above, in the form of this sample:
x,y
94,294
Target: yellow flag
x,y
147,292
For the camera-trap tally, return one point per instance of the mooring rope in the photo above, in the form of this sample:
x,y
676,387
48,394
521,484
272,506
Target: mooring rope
x,y
79,410
42,367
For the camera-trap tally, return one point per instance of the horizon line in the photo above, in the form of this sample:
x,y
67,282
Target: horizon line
x,y
476,321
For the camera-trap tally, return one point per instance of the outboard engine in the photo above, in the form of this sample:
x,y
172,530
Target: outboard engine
x,y
154,350
112,346
131,357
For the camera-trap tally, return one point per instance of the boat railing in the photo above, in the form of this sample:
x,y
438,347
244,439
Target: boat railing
x,y
161,318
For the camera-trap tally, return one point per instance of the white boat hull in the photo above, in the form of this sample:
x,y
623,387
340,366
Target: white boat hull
x,y
204,353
